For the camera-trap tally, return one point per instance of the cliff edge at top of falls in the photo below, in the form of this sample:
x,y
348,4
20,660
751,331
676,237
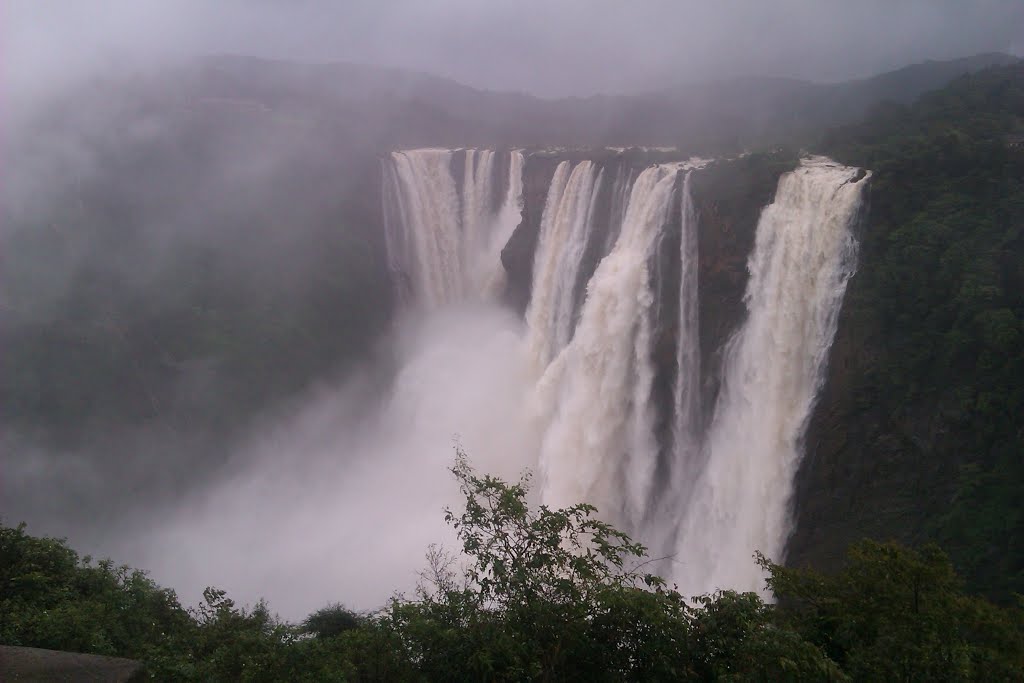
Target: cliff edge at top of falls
x,y
729,195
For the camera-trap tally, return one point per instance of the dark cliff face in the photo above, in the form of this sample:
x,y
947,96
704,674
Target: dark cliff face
x,y
517,255
870,469
729,197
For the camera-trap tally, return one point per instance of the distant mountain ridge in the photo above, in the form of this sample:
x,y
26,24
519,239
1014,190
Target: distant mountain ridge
x,y
712,116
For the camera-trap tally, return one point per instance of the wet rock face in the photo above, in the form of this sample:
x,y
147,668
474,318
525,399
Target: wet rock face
x,y
517,256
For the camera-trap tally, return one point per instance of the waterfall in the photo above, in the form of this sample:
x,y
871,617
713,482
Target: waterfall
x,y
595,397
682,460
564,230
425,245
624,178
686,434
803,256
491,274
477,213
614,419
707,494
444,237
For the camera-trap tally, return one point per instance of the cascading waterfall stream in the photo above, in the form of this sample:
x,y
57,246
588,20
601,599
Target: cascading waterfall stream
x,y
803,256
624,178
595,397
492,273
425,245
444,237
686,430
564,230
477,214
686,437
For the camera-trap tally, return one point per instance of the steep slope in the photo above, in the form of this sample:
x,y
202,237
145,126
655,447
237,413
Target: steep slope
x,y
917,435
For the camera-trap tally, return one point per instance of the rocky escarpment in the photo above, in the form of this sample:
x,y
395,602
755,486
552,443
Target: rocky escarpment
x,y
729,197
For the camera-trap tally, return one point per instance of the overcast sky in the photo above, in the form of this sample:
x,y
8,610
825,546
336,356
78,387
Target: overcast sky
x,y
548,47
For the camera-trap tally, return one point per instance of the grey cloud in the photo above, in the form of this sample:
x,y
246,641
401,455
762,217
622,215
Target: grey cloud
x,y
575,47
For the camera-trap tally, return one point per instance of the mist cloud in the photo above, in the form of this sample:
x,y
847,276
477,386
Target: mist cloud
x,y
330,502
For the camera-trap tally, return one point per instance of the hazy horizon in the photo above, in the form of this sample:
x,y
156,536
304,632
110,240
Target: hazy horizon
x,y
565,49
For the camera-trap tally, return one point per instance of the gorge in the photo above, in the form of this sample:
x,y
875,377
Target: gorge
x,y
281,328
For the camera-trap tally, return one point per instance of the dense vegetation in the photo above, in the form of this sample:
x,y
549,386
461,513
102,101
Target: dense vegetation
x,y
926,440
536,594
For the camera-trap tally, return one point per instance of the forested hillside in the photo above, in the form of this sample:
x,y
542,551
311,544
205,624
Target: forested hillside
x,y
918,434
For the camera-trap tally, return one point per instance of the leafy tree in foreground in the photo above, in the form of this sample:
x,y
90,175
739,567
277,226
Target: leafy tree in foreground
x,y
535,595
559,595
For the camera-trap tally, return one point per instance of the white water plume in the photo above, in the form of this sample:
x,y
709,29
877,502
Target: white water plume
x,y
598,445
565,227
803,256
444,238
686,431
